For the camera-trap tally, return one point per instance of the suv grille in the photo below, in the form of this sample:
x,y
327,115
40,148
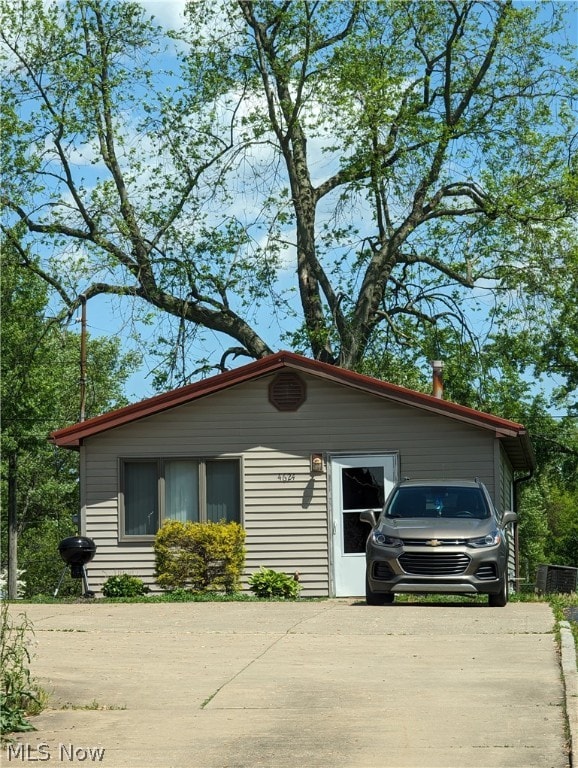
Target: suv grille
x,y
427,564
424,542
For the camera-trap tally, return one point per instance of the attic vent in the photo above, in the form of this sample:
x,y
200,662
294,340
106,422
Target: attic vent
x,y
287,392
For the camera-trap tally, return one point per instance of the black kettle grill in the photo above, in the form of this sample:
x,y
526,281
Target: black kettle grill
x,y
76,551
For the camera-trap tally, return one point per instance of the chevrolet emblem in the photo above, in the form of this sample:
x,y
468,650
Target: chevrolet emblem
x,y
434,543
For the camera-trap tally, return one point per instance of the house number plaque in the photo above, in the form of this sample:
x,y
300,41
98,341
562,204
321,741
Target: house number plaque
x,y
286,477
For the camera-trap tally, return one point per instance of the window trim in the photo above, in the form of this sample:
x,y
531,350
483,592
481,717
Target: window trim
x,y
160,463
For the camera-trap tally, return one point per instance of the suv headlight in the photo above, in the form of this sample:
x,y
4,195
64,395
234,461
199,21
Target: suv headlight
x,y
489,540
385,541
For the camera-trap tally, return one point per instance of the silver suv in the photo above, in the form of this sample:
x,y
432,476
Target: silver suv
x,y
439,536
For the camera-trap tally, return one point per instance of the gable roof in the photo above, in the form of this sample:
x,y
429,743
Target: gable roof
x,y
514,436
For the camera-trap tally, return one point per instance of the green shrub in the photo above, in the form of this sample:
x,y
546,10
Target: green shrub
x,y
124,585
200,556
268,583
19,696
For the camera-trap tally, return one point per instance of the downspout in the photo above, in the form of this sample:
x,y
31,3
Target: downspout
x,y
81,521
83,357
516,484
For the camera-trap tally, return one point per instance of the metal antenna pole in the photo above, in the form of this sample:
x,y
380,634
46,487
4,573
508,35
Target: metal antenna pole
x,y
83,357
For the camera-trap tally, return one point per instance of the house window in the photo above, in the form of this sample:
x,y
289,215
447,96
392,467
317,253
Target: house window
x,y
155,490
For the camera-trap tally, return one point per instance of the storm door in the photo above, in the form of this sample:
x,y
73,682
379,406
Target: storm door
x,y
357,483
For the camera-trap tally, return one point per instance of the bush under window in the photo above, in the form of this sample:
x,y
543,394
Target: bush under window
x,y
201,557
124,585
269,583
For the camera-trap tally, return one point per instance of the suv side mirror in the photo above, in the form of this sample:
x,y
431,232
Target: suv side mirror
x,y
509,517
368,516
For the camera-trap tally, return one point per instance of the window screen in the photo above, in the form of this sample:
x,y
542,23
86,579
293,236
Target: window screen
x,y
141,498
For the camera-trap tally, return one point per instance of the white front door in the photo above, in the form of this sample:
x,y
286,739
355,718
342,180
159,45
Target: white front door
x,y
357,483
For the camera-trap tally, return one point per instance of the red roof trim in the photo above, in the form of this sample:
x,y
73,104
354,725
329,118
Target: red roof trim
x,y
71,437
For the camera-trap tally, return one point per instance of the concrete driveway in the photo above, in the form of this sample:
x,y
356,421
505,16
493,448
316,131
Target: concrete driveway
x,y
331,684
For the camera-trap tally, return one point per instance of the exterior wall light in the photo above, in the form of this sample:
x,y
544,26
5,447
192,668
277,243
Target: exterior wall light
x,y
316,462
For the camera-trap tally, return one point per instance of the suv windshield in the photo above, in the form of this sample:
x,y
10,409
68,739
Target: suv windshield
x,y
438,501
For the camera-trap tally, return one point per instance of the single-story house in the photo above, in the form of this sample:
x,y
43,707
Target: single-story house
x,y
291,448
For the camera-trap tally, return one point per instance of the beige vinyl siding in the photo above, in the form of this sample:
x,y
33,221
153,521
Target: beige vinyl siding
x,y
285,516
284,504
506,482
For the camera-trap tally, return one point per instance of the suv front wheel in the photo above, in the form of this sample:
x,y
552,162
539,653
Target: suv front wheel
x,y
500,599
377,598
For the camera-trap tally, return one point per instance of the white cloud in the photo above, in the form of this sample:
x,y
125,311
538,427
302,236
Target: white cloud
x,y
170,14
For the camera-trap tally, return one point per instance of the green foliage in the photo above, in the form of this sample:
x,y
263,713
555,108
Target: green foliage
x,y
562,509
564,607
269,583
19,695
548,520
38,553
200,556
533,533
40,393
124,585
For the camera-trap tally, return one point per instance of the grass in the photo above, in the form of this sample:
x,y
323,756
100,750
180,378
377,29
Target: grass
x,y
93,706
20,696
561,605
176,596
